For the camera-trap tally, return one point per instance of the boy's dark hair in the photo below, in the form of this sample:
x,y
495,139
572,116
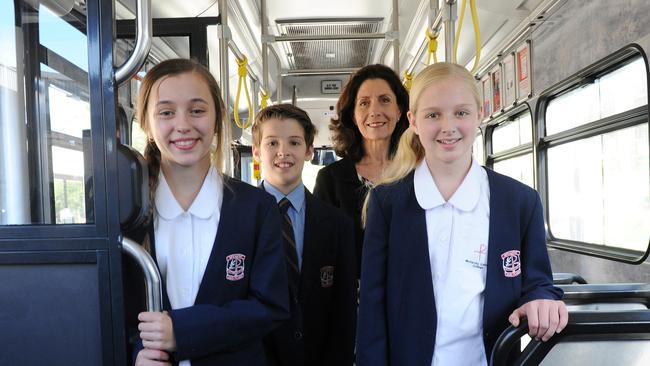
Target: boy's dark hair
x,y
282,112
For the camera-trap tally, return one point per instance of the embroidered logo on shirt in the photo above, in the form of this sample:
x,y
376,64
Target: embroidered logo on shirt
x,y
481,257
327,276
235,267
511,263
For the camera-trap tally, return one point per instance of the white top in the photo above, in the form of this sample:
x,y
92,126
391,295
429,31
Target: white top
x,y
184,239
457,233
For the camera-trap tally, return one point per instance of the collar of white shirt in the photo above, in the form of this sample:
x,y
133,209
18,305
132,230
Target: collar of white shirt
x,y
207,201
465,198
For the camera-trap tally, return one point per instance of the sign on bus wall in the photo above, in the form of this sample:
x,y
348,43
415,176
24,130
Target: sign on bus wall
x,y
486,86
509,88
495,76
523,71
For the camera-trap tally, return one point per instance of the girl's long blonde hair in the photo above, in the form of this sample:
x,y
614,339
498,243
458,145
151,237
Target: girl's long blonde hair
x,y
410,151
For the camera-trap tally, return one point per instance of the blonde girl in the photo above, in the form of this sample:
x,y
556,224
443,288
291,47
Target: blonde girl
x,y
452,251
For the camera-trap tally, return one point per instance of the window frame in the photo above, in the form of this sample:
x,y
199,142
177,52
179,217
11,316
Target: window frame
x,y
513,152
629,118
98,41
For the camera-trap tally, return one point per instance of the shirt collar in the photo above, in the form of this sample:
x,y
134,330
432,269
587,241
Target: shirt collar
x,y
465,198
468,194
296,197
426,191
207,201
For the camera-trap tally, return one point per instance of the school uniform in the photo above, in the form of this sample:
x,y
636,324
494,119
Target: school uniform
x,y
339,185
479,282
230,294
323,311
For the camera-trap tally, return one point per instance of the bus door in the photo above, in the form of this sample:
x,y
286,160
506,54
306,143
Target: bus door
x,y
61,299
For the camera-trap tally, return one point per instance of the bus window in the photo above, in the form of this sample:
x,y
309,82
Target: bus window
x,y
598,189
512,148
477,149
512,134
618,91
519,168
45,179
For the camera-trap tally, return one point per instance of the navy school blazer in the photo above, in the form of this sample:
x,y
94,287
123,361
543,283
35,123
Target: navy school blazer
x,y
240,299
397,313
323,314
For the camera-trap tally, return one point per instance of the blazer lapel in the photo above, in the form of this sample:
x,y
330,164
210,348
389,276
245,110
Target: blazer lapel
x,y
497,289
410,253
312,244
416,251
225,234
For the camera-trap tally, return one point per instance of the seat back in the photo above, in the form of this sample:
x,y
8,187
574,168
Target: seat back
x,y
133,187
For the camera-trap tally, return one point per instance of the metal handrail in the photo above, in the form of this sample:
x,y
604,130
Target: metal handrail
x,y
151,274
609,325
240,56
142,45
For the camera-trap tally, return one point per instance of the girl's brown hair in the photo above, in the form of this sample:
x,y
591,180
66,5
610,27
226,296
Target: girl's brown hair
x,y
162,70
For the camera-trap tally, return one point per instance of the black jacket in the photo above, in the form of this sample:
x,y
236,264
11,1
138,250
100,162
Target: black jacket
x,y
321,330
338,184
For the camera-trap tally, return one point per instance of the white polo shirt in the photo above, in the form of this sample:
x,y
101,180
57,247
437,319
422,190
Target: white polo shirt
x,y
457,233
184,239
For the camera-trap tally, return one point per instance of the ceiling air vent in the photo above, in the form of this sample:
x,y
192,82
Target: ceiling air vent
x,y
329,54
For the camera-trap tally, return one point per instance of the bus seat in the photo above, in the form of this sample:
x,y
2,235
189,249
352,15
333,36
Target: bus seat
x,y
567,278
323,156
590,338
133,187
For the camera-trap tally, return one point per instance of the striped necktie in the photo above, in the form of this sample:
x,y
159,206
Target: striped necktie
x,y
289,244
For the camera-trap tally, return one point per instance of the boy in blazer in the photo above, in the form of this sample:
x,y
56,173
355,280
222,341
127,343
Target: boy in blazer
x,y
319,245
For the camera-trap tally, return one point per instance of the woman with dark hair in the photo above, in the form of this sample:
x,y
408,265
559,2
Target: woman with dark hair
x,y
371,118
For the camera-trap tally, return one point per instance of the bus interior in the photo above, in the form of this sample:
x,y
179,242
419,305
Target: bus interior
x,y
565,102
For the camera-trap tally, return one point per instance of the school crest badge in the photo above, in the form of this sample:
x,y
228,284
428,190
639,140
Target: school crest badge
x,y
327,276
235,267
511,263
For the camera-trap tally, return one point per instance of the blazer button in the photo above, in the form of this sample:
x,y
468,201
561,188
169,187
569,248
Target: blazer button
x,y
297,335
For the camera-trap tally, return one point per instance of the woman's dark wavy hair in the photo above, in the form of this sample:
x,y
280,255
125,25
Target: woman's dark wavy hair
x,y
346,137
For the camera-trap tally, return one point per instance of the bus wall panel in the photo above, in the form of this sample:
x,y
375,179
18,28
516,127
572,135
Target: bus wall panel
x,y
53,308
583,32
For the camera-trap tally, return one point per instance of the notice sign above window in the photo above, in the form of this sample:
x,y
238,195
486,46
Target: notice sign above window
x,y
330,86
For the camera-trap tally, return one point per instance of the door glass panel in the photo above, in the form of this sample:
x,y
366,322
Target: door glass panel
x,y
44,105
